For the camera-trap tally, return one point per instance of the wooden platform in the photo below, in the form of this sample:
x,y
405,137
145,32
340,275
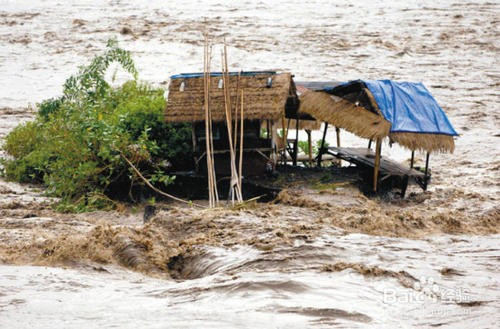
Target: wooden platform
x,y
364,157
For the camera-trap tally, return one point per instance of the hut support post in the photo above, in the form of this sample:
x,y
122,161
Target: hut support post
x,y
193,137
378,149
426,177
369,144
337,133
320,151
284,138
274,140
412,158
296,144
309,144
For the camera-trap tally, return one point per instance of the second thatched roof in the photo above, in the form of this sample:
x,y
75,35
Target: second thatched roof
x,y
353,107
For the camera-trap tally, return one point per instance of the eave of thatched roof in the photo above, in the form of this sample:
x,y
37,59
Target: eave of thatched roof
x,y
260,101
424,142
344,114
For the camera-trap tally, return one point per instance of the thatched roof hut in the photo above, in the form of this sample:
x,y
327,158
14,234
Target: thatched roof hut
x,y
267,96
403,111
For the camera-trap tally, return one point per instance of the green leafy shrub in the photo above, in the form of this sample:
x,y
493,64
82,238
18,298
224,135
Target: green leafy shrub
x,y
304,147
75,144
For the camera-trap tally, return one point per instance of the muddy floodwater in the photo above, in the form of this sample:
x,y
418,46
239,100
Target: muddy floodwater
x,y
315,257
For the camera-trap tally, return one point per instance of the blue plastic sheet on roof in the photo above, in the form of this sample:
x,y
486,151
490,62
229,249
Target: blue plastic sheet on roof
x,y
219,74
409,107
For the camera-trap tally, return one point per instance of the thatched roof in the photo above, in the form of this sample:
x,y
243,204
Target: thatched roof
x,y
261,101
353,107
344,114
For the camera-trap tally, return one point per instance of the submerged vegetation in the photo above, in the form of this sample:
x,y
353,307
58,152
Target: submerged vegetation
x,y
75,145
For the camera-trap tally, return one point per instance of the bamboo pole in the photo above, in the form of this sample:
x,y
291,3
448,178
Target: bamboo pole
x,y
214,176
378,149
241,142
236,113
213,196
234,183
207,130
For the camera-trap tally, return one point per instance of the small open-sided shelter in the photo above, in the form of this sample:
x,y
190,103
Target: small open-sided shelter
x,y
404,112
267,97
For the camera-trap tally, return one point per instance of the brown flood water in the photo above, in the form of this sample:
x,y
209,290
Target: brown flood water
x,y
311,259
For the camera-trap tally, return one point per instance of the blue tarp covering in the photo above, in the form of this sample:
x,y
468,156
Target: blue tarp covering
x,y
409,107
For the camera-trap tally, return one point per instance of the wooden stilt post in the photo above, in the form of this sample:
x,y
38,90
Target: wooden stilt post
x,y
369,144
426,177
309,143
412,158
284,139
378,149
193,137
296,144
320,151
274,143
337,133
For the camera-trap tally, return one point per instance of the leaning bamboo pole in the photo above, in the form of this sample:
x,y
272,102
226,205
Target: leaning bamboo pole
x,y
234,182
207,140
236,113
241,144
214,176
211,178
207,131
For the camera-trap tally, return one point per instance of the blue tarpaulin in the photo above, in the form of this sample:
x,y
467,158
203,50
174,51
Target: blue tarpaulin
x,y
409,107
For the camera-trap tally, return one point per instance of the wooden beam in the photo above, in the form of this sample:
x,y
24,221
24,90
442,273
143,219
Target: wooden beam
x,y
309,143
412,158
378,149
320,151
296,145
274,142
337,131
426,177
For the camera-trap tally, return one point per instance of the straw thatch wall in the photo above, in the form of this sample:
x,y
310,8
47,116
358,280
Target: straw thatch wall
x,y
424,142
260,102
344,114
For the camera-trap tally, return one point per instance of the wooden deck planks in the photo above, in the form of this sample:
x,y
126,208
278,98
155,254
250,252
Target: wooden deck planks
x,y
366,157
